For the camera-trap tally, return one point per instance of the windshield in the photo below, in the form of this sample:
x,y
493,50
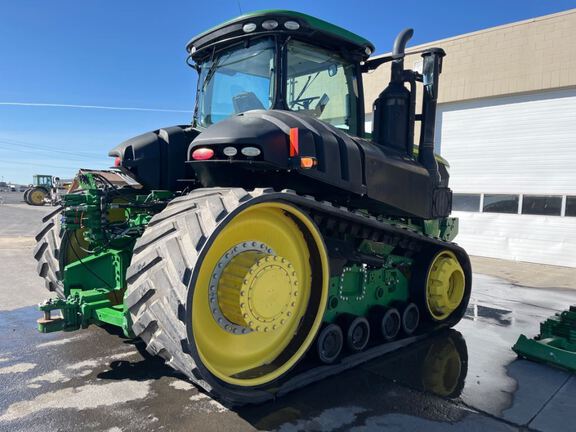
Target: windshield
x,y
237,79
323,85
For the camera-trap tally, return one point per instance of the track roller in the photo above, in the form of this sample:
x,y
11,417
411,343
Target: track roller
x,y
390,323
410,319
357,333
329,343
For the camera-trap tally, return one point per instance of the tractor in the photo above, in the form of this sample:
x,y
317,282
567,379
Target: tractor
x,y
39,191
273,241
45,189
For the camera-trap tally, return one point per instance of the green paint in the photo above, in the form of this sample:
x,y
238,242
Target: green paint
x,y
358,288
556,343
109,221
314,23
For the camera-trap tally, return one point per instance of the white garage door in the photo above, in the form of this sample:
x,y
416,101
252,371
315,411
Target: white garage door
x,y
513,171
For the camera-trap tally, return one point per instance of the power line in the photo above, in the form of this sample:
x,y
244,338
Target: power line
x,y
11,141
28,149
43,164
100,107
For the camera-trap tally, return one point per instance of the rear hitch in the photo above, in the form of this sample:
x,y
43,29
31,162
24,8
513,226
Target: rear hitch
x,y
81,309
70,318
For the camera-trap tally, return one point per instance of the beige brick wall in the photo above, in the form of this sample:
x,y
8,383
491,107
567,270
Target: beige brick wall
x,y
525,56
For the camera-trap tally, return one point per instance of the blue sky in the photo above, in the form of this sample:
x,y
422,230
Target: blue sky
x,y
131,54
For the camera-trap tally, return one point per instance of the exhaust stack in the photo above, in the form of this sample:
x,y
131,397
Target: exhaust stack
x,y
393,109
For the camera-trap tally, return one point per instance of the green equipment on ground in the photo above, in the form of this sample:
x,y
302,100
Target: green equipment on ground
x,y
556,343
273,241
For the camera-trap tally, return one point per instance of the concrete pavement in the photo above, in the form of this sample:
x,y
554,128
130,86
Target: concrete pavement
x,y
467,379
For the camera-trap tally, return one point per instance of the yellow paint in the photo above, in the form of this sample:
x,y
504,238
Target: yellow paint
x,y
37,196
445,285
260,291
226,354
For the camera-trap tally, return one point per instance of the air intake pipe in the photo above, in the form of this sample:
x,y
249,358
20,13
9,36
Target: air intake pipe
x,y
393,109
431,69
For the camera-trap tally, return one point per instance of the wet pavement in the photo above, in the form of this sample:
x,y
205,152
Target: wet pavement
x,y
464,379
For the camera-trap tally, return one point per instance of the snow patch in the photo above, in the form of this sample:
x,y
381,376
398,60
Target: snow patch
x,y
181,385
17,368
58,342
80,398
51,377
328,420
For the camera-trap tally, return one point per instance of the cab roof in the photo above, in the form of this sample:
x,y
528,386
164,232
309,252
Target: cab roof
x,y
309,29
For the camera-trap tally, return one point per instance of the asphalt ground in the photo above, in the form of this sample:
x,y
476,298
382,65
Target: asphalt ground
x,y
467,379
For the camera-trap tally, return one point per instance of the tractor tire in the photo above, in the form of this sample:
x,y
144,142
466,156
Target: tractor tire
x,y
25,196
47,253
55,248
161,293
37,196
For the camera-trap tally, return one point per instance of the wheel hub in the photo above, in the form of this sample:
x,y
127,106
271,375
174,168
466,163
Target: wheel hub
x,y
254,290
445,286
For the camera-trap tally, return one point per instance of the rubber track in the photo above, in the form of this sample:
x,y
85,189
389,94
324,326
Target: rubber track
x,y
47,250
162,269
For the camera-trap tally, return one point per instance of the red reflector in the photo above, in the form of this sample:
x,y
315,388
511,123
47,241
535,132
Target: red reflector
x,y
117,161
202,154
294,142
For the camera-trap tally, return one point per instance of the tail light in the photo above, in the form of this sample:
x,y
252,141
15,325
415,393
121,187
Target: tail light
x,y
202,154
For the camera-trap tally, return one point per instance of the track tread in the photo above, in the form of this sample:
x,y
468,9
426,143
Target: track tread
x,y
156,299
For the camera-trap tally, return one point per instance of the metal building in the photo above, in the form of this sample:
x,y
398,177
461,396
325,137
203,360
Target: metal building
x,y
507,125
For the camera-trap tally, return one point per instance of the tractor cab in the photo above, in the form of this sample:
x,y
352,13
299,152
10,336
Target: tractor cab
x,y
280,103
42,180
280,60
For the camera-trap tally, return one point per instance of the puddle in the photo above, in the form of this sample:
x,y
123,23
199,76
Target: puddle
x,y
501,317
438,365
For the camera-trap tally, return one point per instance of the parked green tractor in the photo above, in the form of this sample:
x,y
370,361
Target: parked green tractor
x,y
39,192
273,241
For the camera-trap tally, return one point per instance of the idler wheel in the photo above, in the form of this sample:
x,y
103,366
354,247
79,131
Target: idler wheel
x,y
329,343
358,334
410,319
390,324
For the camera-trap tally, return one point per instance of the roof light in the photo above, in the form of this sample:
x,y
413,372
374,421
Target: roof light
x,y
192,50
249,27
291,25
367,50
269,24
202,154
230,151
250,151
117,161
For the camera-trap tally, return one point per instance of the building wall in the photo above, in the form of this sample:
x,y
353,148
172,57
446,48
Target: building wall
x,y
506,123
518,146
525,56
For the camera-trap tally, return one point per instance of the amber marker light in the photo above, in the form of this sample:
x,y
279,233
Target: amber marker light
x,y
307,162
294,142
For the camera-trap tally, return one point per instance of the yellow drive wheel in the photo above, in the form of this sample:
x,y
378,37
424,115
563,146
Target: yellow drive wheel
x,y
36,196
260,294
445,285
